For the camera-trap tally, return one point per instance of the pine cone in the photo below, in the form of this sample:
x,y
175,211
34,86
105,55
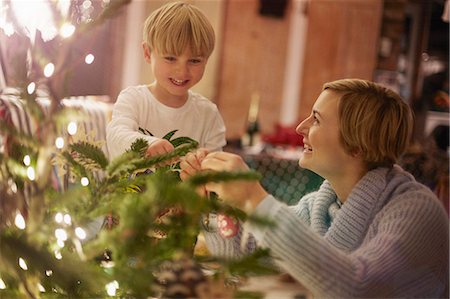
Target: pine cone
x,y
181,278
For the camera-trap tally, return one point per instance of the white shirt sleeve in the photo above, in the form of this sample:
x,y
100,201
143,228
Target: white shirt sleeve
x,y
123,128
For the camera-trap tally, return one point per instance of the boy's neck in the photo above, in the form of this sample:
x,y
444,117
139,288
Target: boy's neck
x,y
167,99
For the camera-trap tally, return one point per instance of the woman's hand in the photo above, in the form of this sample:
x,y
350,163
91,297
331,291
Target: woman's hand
x,y
240,193
191,163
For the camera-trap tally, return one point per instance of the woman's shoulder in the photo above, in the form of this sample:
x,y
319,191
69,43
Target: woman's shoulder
x,y
409,194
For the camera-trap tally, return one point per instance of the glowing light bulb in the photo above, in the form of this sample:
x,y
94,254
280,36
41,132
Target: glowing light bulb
x,y
8,29
31,87
22,264
59,217
89,59
67,30
60,243
67,219
12,185
59,142
112,287
2,284
35,15
48,272
72,128
19,221
80,233
49,69
86,4
27,160
61,234
40,287
31,174
58,255
84,181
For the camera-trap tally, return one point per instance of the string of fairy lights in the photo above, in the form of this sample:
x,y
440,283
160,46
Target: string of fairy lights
x,y
35,16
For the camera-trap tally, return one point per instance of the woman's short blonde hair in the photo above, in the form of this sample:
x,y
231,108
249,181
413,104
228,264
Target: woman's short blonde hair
x,y
374,121
176,26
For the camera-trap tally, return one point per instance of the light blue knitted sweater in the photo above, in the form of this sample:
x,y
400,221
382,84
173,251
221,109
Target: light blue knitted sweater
x,y
389,239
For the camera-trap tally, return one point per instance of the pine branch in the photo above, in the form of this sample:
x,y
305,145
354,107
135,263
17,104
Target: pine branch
x,y
139,146
123,164
223,176
76,167
176,153
90,152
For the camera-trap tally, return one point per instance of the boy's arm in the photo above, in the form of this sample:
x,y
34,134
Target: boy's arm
x,y
123,129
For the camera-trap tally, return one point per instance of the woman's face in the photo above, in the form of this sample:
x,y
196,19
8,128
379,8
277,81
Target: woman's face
x,y
323,151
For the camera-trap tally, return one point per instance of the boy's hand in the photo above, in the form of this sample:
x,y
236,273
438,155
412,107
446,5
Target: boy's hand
x,y
159,147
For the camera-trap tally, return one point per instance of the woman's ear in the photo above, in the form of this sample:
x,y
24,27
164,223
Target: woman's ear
x,y
147,52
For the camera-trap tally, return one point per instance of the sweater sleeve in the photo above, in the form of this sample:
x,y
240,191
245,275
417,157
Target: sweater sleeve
x,y
402,257
245,241
123,129
215,135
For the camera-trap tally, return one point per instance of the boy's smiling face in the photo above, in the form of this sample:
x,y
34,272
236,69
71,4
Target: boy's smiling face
x,y
174,75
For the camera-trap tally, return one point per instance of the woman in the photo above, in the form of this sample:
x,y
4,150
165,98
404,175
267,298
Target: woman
x,y
370,230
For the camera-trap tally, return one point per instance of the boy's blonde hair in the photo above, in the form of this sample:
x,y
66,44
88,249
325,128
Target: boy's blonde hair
x,y
374,121
178,26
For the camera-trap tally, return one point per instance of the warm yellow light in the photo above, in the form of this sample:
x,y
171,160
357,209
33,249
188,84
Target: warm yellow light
x,y
19,221
60,234
31,87
112,287
13,186
67,30
2,284
72,128
59,217
31,174
89,59
22,264
80,233
84,181
60,243
58,255
49,69
40,287
67,219
35,15
59,142
27,160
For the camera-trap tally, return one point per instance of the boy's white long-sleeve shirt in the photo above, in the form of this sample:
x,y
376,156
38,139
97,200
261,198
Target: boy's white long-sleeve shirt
x,y
136,107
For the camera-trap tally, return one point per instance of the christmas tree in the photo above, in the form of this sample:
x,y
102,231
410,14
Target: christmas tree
x,y
150,219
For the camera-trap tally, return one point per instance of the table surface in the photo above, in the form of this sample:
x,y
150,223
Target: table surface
x,y
276,287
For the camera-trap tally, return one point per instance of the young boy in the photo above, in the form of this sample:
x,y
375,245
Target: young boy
x,y
178,40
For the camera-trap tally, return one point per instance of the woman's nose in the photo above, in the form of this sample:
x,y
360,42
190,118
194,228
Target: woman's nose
x,y
301,128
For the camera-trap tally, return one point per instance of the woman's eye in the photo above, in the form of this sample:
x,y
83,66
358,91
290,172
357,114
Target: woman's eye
x,y
315,120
